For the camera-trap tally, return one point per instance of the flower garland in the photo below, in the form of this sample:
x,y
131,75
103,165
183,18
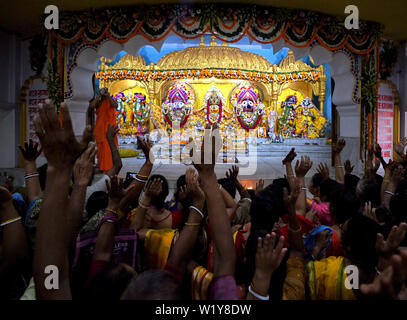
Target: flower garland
x,y
126,74
229,22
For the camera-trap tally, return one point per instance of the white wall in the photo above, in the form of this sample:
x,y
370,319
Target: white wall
x,y
14,69
399,78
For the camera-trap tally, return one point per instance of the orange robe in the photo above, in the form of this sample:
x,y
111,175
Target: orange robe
x,y
104,114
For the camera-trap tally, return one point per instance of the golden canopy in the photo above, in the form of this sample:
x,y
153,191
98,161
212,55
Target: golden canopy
x,y
212,62
214,56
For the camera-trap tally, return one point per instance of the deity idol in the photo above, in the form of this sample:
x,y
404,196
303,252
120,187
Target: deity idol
x,y
272,123
140,108
288,117
214,106
121,108
309,122
178,105
248,106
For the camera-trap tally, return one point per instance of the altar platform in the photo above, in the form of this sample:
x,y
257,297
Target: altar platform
x,y
265,162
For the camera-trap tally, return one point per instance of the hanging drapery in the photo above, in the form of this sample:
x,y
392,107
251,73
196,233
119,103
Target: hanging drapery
x,y
227,22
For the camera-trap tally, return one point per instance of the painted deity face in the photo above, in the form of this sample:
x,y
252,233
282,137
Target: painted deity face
x,y
249,107
177,106
291,101
306,102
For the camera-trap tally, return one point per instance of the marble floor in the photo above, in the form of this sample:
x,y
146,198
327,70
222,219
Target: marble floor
x,y
265,162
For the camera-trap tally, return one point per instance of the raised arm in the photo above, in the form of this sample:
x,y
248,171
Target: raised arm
x,y
30,153
336,150
348,167
378,153
153,189
295,232
183,247
142,175
105,239
224,260
399,149
268,258
287,162
230,203
82,172
232,174
117,161
14,242
53,230
301,169
396,177
391,283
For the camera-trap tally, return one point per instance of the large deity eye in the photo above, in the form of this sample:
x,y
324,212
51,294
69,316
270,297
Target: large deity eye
x,y
251,104
244,104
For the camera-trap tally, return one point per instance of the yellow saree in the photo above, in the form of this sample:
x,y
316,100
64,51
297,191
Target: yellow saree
x,y
326,280
157,246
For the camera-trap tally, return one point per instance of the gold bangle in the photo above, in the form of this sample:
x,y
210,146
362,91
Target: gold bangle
x,y
141,176
111,211
192,224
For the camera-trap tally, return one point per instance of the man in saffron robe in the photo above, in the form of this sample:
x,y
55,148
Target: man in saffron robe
x,y
105,113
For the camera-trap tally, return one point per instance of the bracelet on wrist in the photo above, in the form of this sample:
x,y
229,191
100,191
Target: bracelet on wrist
x,y
195,209
144,206
258,296
3,224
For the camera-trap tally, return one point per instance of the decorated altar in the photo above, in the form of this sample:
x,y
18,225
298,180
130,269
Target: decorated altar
x,y
240,91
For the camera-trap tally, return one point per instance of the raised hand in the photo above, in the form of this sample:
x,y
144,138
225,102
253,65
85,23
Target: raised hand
x,y
58,142
153,188
338,146
30,151
146,148
370,212
83,168
269,256
323,170
259,186
399,147
205,162
290,156
391,283
111,132
377,151
348,167
290,200
322,241
302,167
193,188
233,173
115,189
391,244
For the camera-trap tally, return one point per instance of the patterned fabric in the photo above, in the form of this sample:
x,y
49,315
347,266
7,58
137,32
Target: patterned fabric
x,y
294,283
93,222
31,221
